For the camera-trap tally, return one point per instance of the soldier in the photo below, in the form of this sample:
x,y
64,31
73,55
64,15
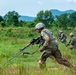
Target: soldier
x,y
72,42
49,47
62,37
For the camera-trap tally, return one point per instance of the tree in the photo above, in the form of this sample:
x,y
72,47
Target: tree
x,y
11,18
2,23
22,23
1,19
72,18
40,15
30,24
62,21
46,17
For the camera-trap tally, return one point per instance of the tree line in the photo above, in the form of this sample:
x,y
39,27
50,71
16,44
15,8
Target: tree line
x,y
63,21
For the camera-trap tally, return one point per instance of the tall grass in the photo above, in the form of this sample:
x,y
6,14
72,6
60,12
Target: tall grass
x,y
13,39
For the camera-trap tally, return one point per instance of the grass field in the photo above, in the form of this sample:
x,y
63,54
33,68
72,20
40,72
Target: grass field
x,y
13,39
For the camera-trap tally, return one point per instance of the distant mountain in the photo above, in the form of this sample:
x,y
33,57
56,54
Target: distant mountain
x,y
26,18
54,12
57,12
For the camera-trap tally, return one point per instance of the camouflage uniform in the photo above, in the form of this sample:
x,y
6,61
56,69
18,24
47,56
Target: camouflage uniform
x,y
72,43
62,37
50,48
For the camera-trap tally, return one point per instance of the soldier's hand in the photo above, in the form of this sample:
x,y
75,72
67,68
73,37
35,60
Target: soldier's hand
x,y
42,49
33,41
71,48
67,45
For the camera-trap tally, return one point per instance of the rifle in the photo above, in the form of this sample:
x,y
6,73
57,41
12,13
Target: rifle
x,y
34,41
38,40
68,43
32,52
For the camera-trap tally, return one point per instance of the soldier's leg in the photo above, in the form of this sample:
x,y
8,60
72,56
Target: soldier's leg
x,y
60,60
63,41
42,60
42,65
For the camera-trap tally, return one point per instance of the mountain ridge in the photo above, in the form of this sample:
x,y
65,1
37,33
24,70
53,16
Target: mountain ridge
x,y
26,18
55,12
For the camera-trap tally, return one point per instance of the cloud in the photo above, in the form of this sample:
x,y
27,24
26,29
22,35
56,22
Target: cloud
x,y
73,1
62,1
40,2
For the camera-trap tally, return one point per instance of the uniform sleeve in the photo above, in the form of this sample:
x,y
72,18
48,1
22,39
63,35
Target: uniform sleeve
x,y
72,41
62,36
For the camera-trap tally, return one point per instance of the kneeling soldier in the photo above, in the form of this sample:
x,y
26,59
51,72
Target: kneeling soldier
x,y
72,42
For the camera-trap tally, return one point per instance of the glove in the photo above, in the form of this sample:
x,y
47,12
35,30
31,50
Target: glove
x,y
71,47
33,41
42,49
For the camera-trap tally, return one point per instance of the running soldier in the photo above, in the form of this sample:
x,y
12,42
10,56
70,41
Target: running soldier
x,y
49,47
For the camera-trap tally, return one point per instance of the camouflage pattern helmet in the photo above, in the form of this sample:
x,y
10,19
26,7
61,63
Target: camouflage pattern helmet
x,y
71,34
39,26
60,31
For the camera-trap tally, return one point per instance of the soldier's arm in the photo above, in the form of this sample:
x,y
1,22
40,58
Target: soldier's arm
x,y
46,38
68,43
72,42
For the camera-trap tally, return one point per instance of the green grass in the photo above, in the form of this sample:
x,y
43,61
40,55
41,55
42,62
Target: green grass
x,y
13,39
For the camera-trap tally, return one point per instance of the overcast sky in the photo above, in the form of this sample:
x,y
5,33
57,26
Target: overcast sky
x,y
32,7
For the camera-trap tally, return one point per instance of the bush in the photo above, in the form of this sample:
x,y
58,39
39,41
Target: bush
x,y
2,54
